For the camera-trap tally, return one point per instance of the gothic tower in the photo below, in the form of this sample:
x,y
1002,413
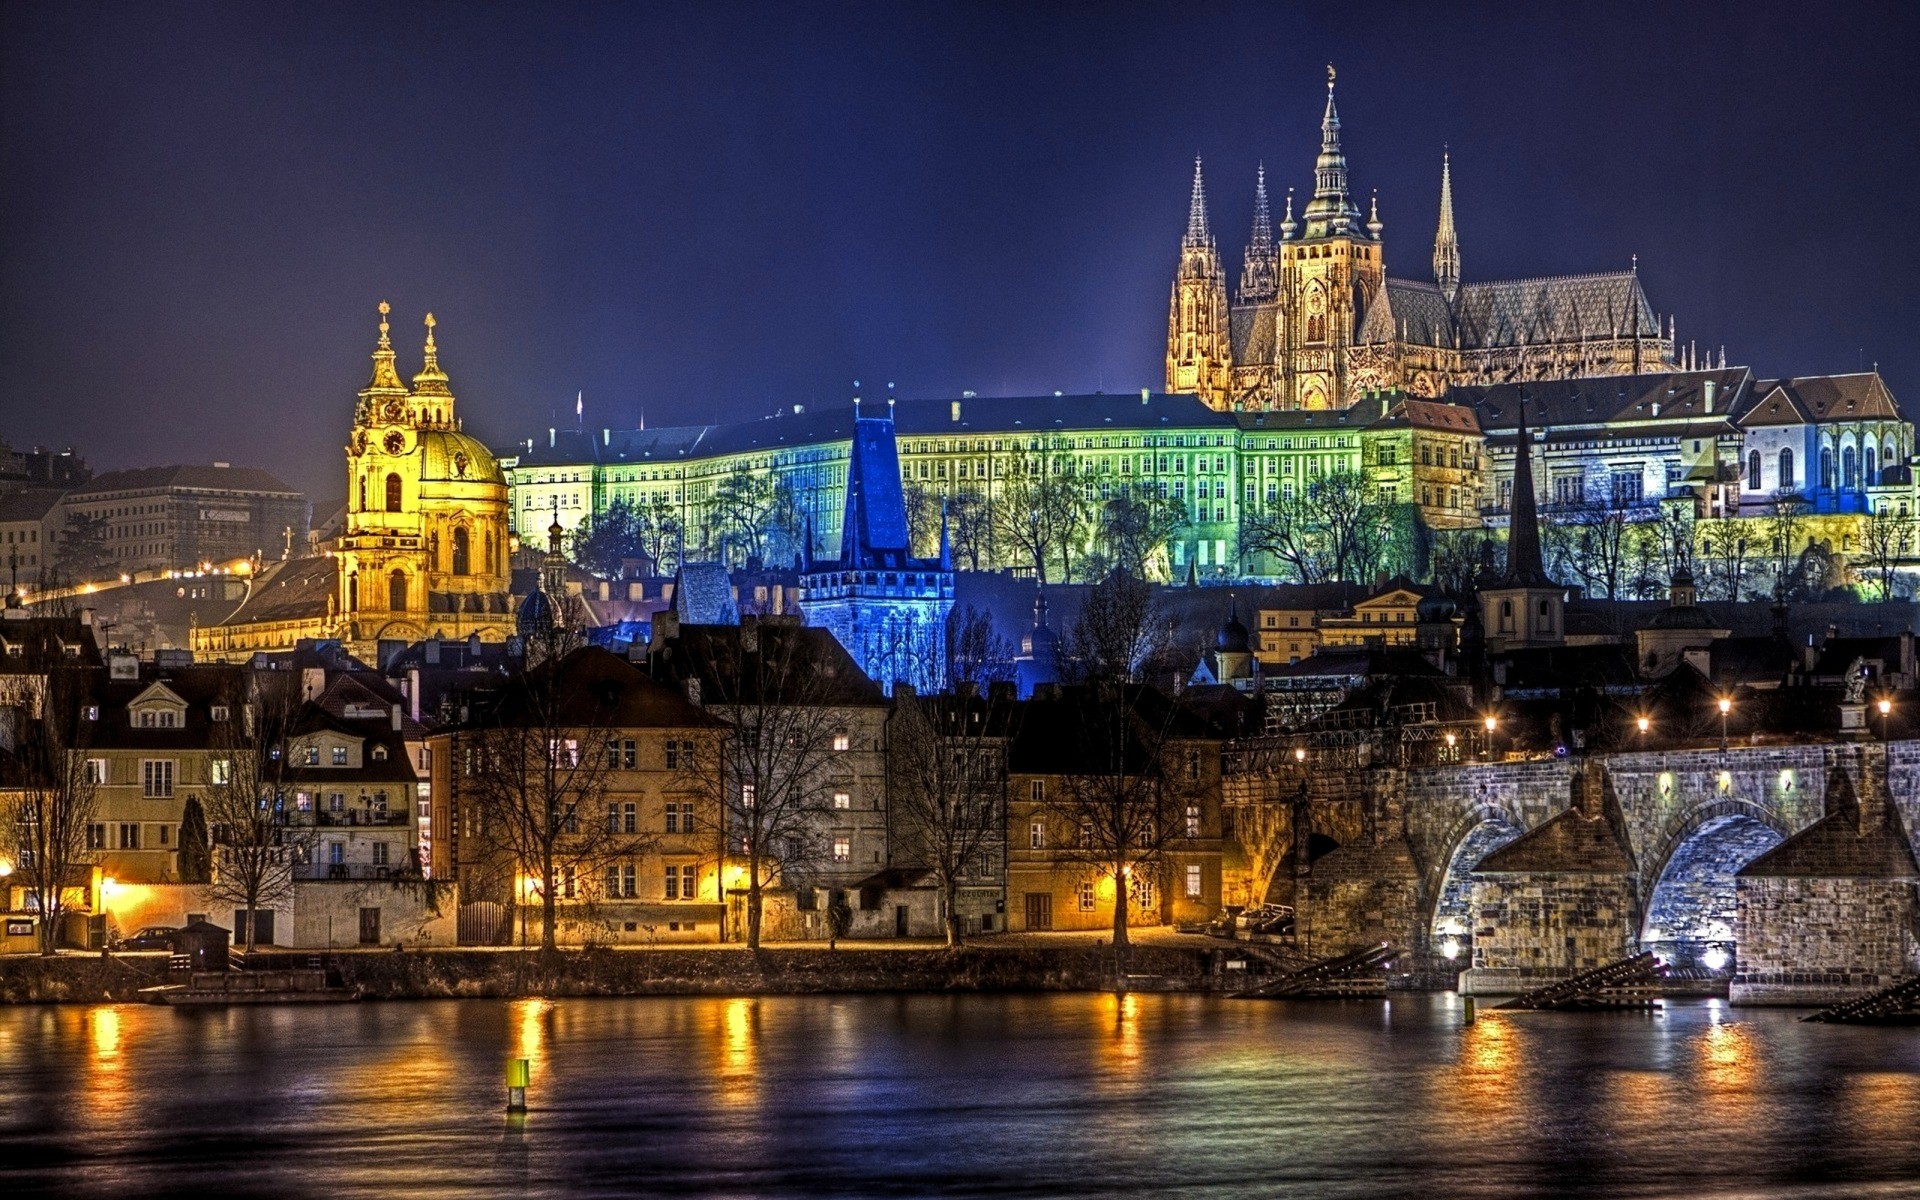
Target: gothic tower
x,y
1446,244
424,549
885,607
1198,361
1524,607
1330,274
1260,271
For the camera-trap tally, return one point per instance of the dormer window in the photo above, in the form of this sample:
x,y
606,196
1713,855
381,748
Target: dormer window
x,y
339,756
379,753
311,757
219,713
92,712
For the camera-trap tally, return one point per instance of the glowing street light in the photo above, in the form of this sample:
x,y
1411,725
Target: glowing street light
x,y
1643,724
1885,705
1726,706
1299,754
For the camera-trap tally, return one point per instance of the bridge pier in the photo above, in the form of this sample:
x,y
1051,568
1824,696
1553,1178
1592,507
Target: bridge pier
x,y
1831,914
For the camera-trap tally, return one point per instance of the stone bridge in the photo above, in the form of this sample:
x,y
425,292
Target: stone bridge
x,y
1526,871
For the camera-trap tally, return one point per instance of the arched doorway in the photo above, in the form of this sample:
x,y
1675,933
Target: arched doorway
x,y
1691,912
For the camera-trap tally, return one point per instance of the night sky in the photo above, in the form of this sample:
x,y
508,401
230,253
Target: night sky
x,y
705,212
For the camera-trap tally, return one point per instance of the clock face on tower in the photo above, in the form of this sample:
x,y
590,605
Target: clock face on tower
x,y
394,442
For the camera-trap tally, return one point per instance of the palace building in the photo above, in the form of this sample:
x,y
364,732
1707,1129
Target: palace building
x,y
424,547
1317,323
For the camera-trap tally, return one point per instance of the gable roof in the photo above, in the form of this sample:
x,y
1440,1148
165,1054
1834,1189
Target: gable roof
x,y
192,476
1856,397
297,589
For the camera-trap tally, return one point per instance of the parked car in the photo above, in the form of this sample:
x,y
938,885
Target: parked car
x,y
153,937
1272,919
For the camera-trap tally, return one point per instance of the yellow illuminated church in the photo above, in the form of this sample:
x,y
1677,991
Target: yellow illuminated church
x,y
422,550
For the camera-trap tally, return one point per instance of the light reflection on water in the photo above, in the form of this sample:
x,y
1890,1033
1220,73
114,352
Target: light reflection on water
x,y
916,1096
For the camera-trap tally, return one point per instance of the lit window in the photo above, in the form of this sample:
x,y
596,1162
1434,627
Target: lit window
x,y
842,849
339,756
1193,882
1037,836
1084,895
842,742
156,777
842,800
1193,820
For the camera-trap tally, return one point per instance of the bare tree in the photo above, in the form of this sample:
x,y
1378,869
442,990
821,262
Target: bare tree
x,y
1886,539
946,758
49,809
772,778
976,653
536,775
1723,548
1124,797
1119,630
1336,529
255,847
1131,528
1042,511
1588,542
1785,531
970,528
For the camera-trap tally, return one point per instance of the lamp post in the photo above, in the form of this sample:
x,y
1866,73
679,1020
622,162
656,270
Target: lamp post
x,y
1643,724
1492,724
1885,705
1726,706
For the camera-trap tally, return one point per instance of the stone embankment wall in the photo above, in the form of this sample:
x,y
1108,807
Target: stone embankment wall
x,y
435,974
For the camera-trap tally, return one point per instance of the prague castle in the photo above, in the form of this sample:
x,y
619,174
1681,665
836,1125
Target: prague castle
x,y
1317,323
423,549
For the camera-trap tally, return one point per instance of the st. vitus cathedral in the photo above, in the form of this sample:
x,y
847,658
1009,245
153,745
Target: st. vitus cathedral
x,y
1317,323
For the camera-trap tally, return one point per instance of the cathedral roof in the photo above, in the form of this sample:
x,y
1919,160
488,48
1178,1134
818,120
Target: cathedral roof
x,y
1409,311
1514,312
1252,333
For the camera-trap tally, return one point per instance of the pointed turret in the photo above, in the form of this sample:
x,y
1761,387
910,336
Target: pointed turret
x,y
1446,244
385,394
430,385
1525,607
1287,224
1374,224
1198,232
1260,271
1525,567
1198,356
1331,211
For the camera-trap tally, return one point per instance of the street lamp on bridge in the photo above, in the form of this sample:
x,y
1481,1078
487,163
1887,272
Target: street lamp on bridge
x,y
1726,706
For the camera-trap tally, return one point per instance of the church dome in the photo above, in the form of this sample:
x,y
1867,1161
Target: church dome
x,y
447,455
1233,636
536,614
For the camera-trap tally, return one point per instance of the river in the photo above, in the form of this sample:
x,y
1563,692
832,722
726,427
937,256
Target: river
x,y
992,1096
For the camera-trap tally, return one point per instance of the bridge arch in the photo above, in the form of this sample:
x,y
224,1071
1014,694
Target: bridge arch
x,y
1687,886
1447,920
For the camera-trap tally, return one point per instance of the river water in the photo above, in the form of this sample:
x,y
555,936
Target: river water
x,y
996,1096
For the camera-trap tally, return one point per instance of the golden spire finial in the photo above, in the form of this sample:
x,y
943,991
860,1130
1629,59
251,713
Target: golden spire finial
x,y
1329,76
385,308
430,324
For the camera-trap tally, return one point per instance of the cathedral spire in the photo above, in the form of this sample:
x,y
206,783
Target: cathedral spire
x,y
1524,565
1259,272
1446,244
1198,233
1331,211
385,377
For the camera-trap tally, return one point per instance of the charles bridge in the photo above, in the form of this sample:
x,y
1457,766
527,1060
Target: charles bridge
x,y
1786,864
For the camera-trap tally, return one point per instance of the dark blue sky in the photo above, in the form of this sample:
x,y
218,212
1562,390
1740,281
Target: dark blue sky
x,y
706,211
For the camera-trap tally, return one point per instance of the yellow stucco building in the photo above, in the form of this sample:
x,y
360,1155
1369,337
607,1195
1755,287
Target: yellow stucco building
x,y
423,550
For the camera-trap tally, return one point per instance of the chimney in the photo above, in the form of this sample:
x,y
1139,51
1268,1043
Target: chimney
x,y
549,437
1000,691
1706,390
432,651
902,690
413,690
606,590
606,437
693,691
956,412
396,718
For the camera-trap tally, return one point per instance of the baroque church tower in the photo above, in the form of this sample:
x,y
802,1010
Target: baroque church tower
x,y
424,548
1197,357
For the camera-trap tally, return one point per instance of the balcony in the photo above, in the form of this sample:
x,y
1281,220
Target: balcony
x,y
391,818
351,872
